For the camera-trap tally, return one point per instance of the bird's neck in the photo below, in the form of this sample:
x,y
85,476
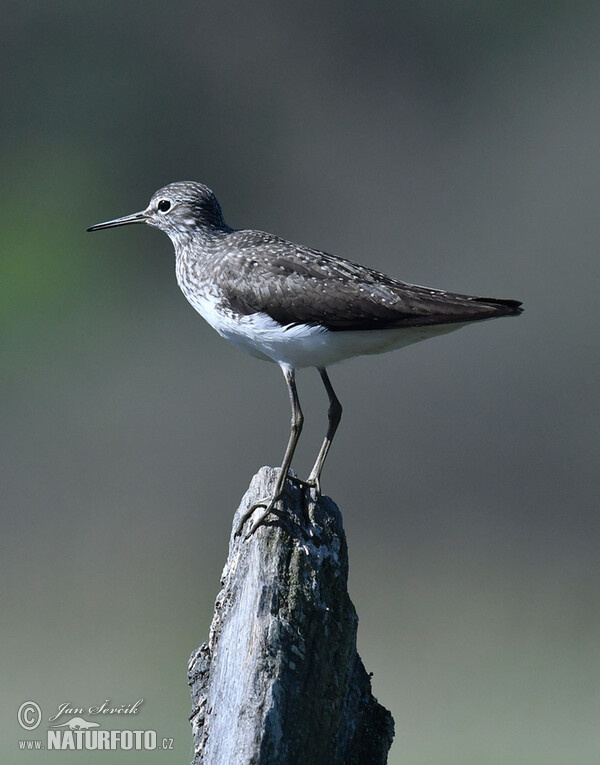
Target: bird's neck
x,y
198,239
199,256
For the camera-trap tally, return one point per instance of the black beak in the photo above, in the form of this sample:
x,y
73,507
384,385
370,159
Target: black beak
x,y
139,217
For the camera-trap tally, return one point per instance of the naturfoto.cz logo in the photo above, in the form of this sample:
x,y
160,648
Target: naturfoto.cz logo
x,y
79,733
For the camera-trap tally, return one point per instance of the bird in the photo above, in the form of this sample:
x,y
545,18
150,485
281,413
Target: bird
x,y
295,306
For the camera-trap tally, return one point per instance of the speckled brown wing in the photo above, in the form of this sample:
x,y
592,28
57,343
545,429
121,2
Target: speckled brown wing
x,y
298,285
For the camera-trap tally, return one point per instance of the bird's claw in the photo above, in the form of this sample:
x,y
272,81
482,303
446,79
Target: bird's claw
x,y
310,483
315,483
268,503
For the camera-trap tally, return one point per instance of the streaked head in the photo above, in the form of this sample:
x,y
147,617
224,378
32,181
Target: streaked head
x,y
178,209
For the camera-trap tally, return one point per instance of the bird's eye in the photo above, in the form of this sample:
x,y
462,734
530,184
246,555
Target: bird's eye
x,y
164,205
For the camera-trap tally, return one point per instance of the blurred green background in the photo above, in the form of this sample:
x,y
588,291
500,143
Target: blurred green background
x,y
453,144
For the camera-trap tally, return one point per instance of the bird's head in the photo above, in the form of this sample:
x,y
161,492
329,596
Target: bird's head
x,y
179,209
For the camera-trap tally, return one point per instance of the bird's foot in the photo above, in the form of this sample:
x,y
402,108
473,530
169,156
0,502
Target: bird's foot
x,y
310,483
314,482
268,504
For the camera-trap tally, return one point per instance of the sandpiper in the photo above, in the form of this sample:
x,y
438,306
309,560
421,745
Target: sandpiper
x,y
294,305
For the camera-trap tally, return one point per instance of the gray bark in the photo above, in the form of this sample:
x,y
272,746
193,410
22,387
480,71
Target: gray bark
x,y
280,680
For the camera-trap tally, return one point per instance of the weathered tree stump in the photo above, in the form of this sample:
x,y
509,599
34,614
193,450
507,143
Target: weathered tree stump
x,y
280,681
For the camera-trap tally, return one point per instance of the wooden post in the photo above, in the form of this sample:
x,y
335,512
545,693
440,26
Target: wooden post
x,y
280,681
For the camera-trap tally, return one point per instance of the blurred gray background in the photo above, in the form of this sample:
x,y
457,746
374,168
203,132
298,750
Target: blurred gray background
x,y
453,144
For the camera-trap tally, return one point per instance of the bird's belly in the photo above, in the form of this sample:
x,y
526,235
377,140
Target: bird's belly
x,y
303,345
319,347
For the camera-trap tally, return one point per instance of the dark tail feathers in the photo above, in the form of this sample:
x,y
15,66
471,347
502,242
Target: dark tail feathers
x,y
505,307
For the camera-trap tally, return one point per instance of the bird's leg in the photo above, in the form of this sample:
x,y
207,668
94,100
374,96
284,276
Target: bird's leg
x,y
296,429
335,415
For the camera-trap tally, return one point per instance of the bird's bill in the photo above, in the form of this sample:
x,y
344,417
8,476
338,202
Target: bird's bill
x,y
139,217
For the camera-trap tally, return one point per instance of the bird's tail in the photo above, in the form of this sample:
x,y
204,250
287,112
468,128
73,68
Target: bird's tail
x,y
504,307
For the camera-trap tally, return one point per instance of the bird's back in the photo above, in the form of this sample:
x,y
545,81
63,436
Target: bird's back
x,y
262,273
